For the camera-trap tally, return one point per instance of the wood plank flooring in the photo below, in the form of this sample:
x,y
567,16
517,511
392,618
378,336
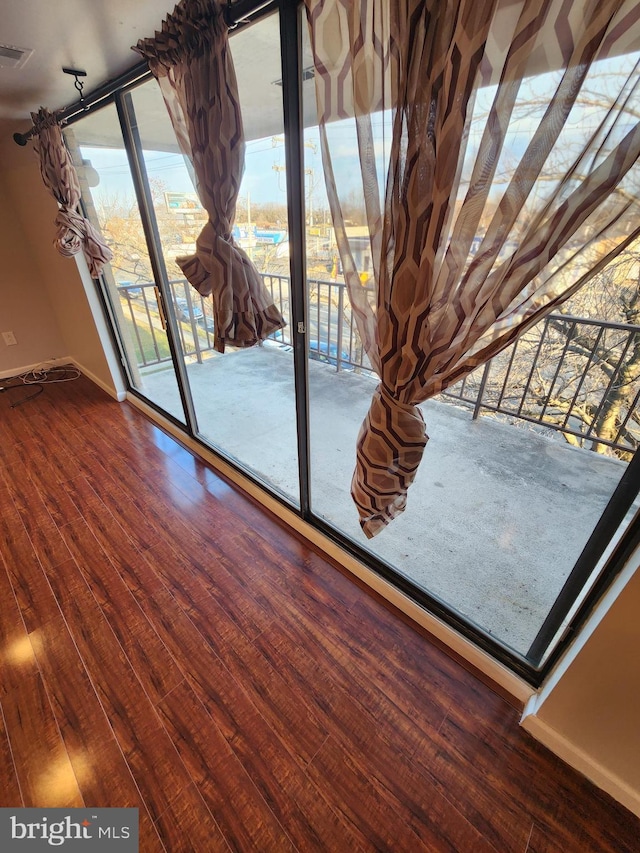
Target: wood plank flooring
x,y
166,644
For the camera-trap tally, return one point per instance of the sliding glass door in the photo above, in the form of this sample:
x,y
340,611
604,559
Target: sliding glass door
x,y
522,460
522,490
131,290
243,402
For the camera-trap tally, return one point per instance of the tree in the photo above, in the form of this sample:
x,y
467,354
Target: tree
x,y
122,227
574,372
569,370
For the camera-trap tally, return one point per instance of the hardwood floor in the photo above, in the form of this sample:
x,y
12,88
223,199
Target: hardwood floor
x,y
165,644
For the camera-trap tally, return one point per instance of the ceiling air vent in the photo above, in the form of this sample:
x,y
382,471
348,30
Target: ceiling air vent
x,y
12,56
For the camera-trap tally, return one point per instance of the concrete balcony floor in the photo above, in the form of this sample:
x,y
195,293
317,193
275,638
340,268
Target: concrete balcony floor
x,y
495,520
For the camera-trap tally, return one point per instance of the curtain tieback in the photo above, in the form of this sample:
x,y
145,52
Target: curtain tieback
x,y
76,234
390,445
214,253
71,231
243,310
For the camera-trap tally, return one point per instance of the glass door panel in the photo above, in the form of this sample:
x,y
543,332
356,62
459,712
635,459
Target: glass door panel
x,y
110,200
244,399
503,505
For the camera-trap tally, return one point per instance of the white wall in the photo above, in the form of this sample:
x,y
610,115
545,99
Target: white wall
x,y
589,711
50,306
25,306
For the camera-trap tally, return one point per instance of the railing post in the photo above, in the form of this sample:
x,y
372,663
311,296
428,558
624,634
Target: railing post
x,y
192,320
340,328
483,383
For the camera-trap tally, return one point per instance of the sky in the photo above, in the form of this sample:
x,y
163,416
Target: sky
x,y
265,180
261,180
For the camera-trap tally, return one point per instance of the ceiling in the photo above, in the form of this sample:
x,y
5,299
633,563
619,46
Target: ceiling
x,y
94,36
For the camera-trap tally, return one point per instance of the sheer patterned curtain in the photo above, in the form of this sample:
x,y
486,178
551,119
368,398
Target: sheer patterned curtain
x,y
74,233
510,179
191,60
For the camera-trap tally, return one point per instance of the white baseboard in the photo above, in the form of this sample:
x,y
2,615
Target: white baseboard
x,y
120,396
39,365
485,664
582,762
59,362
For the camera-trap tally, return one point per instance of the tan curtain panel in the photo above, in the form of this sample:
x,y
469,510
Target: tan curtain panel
x,y
472,240
191,60
74,233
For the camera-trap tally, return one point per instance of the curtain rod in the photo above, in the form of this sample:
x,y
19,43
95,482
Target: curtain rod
x,y
233,13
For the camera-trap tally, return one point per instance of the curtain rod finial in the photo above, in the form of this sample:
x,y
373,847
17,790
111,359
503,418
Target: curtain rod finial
x,y
227,15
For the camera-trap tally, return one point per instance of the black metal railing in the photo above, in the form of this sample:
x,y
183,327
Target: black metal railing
x,y
573,375
139,304
331,332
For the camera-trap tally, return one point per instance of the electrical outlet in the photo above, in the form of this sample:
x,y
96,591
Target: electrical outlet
x,y
9,338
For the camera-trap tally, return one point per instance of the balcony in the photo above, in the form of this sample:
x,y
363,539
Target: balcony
x,y
509,490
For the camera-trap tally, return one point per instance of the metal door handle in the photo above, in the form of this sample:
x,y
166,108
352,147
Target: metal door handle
x,y
163,316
